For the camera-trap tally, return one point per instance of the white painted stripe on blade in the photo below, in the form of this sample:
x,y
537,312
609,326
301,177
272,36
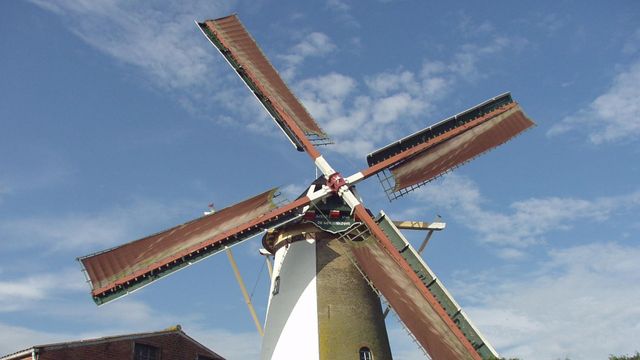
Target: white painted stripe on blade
x,y
349,198
354,178
324,166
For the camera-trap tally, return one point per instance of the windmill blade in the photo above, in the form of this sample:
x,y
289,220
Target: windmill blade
x,y
423,156
436,288
118,271
384,265
233,41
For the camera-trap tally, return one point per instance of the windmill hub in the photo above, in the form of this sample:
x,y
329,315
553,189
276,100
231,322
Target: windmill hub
x,y
335,182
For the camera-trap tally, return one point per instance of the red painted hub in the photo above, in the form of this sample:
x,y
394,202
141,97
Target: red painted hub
x,y
335,182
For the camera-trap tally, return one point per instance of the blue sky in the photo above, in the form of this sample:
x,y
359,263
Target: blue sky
x,y
119,119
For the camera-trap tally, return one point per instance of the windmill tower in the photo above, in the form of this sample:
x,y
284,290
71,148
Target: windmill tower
x,y
333,258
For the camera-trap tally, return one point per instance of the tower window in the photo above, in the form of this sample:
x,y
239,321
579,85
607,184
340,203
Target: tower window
x,y
365,354
276,285
145,352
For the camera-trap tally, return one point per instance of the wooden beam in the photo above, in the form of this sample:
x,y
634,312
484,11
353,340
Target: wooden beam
x,y
419,225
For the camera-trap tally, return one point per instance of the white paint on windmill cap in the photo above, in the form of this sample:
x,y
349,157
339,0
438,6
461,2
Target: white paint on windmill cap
x,y
437,226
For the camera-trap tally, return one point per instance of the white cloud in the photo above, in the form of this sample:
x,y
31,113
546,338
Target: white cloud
x,y
315,44
390,104
466,61
358,122
21,293
611,117
338,5
386,83
343,12
579,303
292,191
473,27
16,338
162,41
89,231
529,220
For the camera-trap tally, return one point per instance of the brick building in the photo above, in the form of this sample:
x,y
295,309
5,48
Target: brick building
x,y
169,344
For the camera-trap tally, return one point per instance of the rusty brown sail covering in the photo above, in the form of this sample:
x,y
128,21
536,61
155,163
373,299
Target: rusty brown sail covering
x,y
496,129
411,300
117,271
240,49
420,157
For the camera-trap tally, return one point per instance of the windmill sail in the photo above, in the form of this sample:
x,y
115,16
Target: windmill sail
x,y
437,289
428,311
120,270
233,41
421,157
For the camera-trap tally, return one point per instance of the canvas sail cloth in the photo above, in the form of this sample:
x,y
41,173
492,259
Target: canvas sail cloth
x,y
461,148
120,270
243,54
413,301
436,288
428,153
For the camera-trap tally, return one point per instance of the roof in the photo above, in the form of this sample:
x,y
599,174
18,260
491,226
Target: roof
x,y
86,342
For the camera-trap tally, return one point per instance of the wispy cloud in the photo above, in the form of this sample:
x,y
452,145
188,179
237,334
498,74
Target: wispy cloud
x,y
343,12
315,44
164,45
473,27
88,231
292,191
465,62
592,288
16,338
160,40
334,100
613,116
21,293
528,221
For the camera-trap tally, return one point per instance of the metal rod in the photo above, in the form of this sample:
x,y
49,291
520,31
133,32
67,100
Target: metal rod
x,y
424,243
269,267
244,291
386,312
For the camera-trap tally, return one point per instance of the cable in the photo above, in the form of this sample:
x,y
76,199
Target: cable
x,y
257,279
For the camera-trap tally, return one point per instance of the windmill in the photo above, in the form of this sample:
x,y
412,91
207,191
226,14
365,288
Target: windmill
x,y
333,259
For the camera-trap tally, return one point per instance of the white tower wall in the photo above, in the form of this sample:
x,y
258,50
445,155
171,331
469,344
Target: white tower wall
x,y
291,329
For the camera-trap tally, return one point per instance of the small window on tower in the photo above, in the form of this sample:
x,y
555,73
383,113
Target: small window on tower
x,y
365,354
145,352
276,286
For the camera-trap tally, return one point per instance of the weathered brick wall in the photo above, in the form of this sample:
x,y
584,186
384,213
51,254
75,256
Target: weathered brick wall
x,y
172,347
